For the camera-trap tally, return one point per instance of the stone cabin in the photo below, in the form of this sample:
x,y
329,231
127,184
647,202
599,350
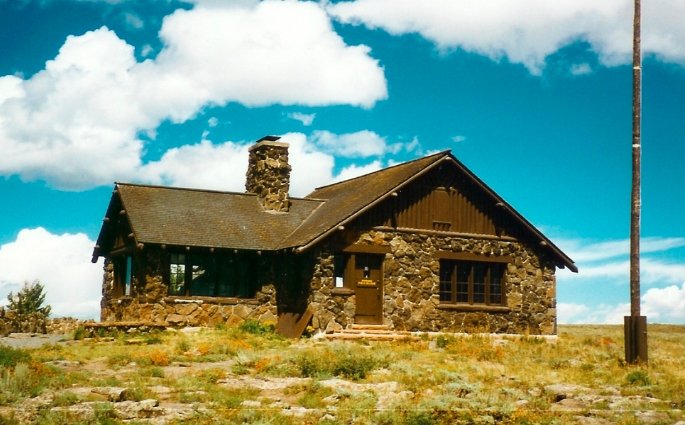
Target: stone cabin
x,y
424,245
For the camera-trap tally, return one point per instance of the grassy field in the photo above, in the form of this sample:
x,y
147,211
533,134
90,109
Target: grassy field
x,y
250,375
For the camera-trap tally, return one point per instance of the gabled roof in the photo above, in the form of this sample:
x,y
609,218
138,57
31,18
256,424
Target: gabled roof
x,y
203,218
348,199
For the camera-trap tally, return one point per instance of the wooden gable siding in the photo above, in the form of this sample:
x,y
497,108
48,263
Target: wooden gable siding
x,y
441,200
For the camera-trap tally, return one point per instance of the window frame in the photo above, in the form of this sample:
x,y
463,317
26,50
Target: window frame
x,y
232,275
124,274
460,284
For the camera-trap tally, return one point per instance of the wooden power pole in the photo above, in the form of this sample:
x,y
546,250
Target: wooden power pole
x,y
635,325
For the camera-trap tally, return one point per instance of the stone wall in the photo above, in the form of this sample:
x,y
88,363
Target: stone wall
x,y
268,174
410,290
150,303
411,284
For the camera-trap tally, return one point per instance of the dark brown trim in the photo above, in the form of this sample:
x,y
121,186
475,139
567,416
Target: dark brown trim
x,y
366,249
127,250
475,307
342,291
468,256
188,299
362,210
444,233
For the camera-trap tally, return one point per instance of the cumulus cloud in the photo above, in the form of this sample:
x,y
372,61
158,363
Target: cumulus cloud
x,y
605,265
353,170
305,119
360,144
584,250
527,31
224,166
73,285
665,304
75,123
571,313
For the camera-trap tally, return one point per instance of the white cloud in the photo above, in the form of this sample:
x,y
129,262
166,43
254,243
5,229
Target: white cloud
x,y
527,31
305,119
666,305
133,21
352,171
224,165
581,69
570,313
362,143
74,124
604,266
586,251
458,138
659,305
73,285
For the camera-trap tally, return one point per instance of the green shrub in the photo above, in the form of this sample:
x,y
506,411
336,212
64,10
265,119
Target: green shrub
x,y
338,361
354,367
29,300
419,418
79,333
638,377
9,357
256,327
442,341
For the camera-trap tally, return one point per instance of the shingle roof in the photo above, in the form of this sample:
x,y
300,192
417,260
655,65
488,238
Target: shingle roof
x,y
347,199
190,217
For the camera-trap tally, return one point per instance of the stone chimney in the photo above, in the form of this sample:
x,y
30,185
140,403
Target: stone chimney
x,y
268,173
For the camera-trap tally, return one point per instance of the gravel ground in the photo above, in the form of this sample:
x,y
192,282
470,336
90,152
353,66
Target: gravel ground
x,y
20,340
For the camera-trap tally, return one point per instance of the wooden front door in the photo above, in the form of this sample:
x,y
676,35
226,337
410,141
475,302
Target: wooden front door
x,y
368,278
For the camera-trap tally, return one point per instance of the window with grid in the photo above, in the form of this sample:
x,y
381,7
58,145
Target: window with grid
x,y
197,274
471,282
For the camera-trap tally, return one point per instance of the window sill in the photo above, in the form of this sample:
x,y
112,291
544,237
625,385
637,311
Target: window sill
x,y
171,299
342,291
475,307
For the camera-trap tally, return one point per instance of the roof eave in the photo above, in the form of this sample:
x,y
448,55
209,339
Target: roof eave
x,y
371,204
565,259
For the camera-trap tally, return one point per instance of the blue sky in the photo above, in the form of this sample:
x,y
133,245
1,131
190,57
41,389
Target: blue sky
x,y
533,96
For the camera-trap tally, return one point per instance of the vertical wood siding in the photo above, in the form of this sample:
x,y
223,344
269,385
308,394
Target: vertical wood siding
x,y
440,200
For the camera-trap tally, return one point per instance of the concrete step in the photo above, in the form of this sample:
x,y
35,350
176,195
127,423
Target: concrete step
x,y
370,332
346,336
360,326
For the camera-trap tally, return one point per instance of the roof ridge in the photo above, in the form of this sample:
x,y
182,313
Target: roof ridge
x,y
190,189
222,192
446,151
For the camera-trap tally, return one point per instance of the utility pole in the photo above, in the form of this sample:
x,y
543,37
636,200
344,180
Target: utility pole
x,y
635,325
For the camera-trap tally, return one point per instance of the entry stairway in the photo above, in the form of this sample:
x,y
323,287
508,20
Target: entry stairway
x,y
371,333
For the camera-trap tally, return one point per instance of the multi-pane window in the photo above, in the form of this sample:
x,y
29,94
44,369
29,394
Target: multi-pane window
x,y
177,274
471,282
210,275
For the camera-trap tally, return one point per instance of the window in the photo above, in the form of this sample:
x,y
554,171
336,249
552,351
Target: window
x,y
471,282
123,274
213,275
177,274
339,265
353,270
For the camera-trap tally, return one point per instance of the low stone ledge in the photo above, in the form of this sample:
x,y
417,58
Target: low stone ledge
x,y
471,307
209,300
342,291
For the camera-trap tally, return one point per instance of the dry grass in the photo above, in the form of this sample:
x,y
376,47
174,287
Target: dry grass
x,y
449,379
